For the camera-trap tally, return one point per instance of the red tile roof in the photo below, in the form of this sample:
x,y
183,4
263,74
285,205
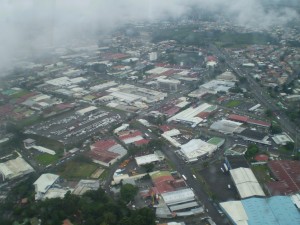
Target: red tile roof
x,y
259,122
288,176
238,118
131,135
103,145
141,142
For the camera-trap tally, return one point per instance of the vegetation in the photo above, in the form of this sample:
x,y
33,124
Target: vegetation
x,y
93,208
149,167
251,151
233,103
75,169
275,128
46,159
128,192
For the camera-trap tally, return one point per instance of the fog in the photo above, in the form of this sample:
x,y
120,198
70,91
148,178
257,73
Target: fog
x,y
29,25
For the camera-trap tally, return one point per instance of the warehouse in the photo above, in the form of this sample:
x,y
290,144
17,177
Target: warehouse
x,y
43,184
151,158
226,126
85,111
190,115
15,168
246,183
276,210
195,149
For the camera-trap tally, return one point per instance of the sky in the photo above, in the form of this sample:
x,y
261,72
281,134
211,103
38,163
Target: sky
x,y
26,25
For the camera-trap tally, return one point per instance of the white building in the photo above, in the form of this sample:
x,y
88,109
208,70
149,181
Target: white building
x,y
246,183
226,126
43,184
146,159
153,56
86,110
282,139
195,149
15,168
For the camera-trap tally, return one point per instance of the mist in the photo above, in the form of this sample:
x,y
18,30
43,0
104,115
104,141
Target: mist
x,y
30,25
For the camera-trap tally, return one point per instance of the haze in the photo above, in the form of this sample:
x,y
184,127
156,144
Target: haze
x,y
30,25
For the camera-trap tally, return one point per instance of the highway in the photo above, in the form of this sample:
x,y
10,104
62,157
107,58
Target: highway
x,y
261,95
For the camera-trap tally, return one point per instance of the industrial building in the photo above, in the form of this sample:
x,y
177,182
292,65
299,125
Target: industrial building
x,y
227,126
195,149
246,183
286,173
43,184
277,210
87,110
106,152
192,115
15,168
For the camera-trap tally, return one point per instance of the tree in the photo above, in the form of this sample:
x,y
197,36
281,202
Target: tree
x,y
268,113
251,151
275,129
290,146
128,191
149,167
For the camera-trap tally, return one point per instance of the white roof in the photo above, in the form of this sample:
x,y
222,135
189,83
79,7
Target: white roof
x,y
45,150
180,196
236,211
103,86
44,182
282,139
196,148
55,193
146,159
14,168
86,110
214,86
157,70
133,139
189,115
225,126
246,183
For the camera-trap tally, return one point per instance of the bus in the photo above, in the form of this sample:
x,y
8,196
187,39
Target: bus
x,y
184,177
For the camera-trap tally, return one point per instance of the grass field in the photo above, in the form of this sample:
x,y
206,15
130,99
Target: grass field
x,y
46,159
75,169
233,103
262,173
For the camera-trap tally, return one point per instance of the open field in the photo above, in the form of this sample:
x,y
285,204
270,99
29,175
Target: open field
x,y
233,103
46,159
75,169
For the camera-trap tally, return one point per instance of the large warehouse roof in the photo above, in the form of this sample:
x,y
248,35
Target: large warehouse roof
x,y
277,210
190,115
146,159
44,182
246,183
196,148
226,126
15,168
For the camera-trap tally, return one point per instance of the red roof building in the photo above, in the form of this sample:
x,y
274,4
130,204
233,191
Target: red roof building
x,y
287,174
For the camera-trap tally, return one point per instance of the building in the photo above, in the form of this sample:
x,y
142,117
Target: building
x,y
151,158
282,139
277,210
246,183
106,152
236,149
153,56
236,161
192,115
29,143
286,173
85,111
86,185
43,184
15,168
195,149
254,136
227,126
169,84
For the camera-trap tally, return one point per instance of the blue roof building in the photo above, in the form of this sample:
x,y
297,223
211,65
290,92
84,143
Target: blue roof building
x,y
277,210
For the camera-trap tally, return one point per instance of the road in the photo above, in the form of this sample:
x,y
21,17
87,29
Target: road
x,y
260,95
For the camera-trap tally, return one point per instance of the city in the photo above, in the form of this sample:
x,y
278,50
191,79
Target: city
x,y
193,120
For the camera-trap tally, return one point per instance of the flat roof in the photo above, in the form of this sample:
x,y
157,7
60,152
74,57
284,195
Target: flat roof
x,y
44,182
146,159
184,206
15,168
196,148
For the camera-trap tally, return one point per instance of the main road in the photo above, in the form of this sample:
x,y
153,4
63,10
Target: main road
x,y
260,95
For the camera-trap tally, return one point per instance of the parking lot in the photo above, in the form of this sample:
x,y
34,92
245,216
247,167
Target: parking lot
x,y
72,128
219,182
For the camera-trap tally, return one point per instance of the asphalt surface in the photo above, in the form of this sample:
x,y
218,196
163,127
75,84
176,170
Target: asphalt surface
x,y
261,95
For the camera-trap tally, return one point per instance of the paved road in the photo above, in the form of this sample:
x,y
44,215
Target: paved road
x,y
261,95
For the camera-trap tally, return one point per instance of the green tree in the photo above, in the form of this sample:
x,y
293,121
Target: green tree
x,y
290,146
128,191
251,151
149,167
275,129
268,113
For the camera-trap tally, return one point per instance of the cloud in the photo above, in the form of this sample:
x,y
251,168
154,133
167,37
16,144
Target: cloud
x,y
29,24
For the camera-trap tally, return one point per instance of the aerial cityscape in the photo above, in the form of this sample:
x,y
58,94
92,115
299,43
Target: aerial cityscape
x,y
150,112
